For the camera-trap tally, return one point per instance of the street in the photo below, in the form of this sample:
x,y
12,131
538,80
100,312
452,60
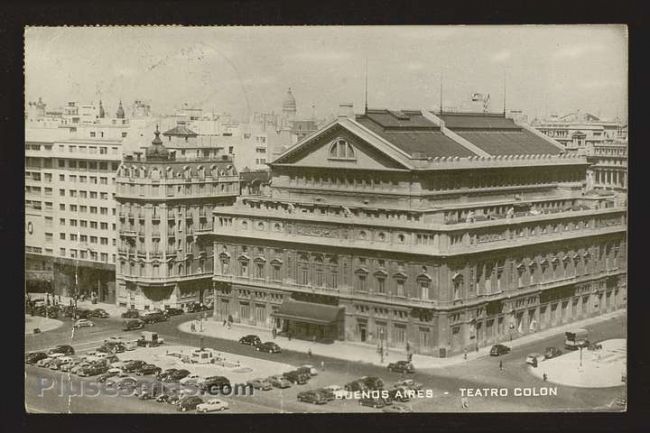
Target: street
x,y
445,382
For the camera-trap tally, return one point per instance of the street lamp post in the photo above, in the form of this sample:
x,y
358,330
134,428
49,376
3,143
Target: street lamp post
x,y
581,356
381,344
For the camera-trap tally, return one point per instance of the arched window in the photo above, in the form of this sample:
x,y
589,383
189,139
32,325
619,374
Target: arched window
x,y
341,149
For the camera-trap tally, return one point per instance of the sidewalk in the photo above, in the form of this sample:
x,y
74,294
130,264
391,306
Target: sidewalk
x,y
112,309
360,352
42,323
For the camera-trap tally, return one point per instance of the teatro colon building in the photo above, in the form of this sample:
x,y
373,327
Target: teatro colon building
x,y
437,231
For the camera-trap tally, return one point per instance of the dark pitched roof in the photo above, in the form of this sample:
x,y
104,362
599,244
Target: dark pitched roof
x,y
491,121
411,132
180,130
497,135
309,312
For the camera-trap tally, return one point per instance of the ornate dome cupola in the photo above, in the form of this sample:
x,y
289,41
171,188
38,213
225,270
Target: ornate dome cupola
x,y
120,111
289,103
157,151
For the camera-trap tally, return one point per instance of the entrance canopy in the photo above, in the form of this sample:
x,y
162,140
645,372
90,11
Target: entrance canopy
x,y
309,312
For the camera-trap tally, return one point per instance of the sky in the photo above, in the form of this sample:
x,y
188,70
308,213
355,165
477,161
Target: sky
x,y
547,69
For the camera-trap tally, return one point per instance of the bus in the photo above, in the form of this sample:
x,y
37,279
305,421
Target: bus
x,y
576,339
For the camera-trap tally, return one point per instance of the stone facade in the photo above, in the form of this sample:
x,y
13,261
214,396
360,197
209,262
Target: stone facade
x,y
165,208
440,254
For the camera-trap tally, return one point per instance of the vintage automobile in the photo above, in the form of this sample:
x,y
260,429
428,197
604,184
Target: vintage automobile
x,y
269,347
552,352
401,367
499,349
212,405
311,397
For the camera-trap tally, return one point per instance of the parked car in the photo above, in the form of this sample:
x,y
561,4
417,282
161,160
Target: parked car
x,y
82,313
65,349
112,372
401,367
262,384
326,393
131,314
552,352
34,357
133,324
165,374
355,385
408,384
212,405
92,370
311,397
67,367
534,358
112,347
56,363
251,340
172,311
148,369
309,369
400,394
153,317
196,307
279,381
177,375
99,313
499,349
191,379
397,408
374,402
372,382
296,377
45,362
189,403
336,390
84,323
214,384
133,365
269,347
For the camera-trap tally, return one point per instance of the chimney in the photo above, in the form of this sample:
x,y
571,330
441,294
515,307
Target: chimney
x,y
346,110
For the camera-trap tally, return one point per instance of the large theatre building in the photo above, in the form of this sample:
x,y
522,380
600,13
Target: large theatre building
x,y
440,231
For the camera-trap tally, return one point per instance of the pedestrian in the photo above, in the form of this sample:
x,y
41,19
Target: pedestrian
x,y
544,377
224,323
289,335
501,365
465,354
464,403
274,333
309,352
192,327
322,365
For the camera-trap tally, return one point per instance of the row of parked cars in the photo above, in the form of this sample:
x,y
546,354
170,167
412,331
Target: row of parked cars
x,y
255,342
67,311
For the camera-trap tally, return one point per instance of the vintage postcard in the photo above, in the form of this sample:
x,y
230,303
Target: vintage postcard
x,y
326,219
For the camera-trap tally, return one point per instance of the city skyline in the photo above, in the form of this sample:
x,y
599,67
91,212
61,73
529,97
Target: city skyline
x,y
246,69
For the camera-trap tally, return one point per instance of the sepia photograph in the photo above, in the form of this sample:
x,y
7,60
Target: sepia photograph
x,y
325,219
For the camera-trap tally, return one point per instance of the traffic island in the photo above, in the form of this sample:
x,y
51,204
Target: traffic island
x,y
602,368
38,324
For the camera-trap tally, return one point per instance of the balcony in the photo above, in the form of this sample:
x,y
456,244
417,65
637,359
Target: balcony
x,y
141,253
155,254
203,214
155,217
171,252
128,232
155,234
204,229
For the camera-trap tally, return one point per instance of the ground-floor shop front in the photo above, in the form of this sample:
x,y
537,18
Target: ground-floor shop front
x,y
66,277
131,294
429,331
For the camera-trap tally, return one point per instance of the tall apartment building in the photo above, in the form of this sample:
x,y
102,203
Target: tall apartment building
x,y
443,231
608,169
70,213
165,199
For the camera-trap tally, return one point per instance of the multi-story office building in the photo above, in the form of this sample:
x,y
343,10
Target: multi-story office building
x,y
443,231
70,208
604,143
165,199
70,238
580,130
